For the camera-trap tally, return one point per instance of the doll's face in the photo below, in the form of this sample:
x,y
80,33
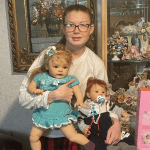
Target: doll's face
x,y
148,136
58,68
96,91
132,49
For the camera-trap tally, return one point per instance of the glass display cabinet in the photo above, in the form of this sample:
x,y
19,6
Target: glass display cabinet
x,y
126,49
128,33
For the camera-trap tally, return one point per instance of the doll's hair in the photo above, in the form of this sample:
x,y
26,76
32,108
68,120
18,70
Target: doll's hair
x,y
93,81
62,53
82,8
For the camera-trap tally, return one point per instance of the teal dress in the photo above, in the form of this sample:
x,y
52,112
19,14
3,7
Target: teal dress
x,y
59,113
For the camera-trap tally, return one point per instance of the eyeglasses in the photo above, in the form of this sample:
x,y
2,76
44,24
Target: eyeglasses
x,y
71,27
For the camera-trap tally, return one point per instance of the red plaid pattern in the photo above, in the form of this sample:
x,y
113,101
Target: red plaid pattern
x,y
58,144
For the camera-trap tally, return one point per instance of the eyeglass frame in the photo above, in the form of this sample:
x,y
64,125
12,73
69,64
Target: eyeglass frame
x,y
75,26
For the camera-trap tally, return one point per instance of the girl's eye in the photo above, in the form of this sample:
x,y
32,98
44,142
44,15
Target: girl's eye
x,y
96,91
55,66
65,67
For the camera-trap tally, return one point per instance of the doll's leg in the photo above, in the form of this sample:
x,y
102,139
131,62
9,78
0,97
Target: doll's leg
x,y
71,134
35,135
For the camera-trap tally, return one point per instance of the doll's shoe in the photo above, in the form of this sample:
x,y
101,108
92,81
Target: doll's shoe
x,y
112,147
125,146
89,146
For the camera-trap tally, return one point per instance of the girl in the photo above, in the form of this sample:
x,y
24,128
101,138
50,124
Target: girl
x,y
97,118
77,28
50,76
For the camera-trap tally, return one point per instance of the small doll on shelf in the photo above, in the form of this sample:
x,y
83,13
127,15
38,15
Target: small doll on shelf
x,y
59,114
97,118
119,46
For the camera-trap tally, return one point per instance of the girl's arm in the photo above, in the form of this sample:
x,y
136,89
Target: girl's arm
x,y
79,96
28,100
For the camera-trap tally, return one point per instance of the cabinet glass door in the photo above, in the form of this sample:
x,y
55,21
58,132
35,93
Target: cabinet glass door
x,y
128,35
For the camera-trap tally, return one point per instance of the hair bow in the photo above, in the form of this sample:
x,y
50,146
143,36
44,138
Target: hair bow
x,y
51,50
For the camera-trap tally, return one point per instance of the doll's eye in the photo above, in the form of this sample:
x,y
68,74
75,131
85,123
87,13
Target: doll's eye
x,y
65,67
55,66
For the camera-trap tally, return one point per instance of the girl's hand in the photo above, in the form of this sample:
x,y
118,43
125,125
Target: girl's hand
x,y
63,92
80,103
87,131
38,92
114,133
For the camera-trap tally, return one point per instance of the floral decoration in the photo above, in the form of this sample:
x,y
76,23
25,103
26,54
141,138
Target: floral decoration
x,y
58,11
116,43
129,30
127,99
47,9
132,54
143,30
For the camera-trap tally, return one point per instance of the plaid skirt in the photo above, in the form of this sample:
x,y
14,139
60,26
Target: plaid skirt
x,y
58,144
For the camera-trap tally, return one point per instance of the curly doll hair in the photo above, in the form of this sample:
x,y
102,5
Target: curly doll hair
x,y
62,53
93,81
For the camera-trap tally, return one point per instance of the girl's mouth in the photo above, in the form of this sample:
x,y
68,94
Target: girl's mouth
x,y
76,38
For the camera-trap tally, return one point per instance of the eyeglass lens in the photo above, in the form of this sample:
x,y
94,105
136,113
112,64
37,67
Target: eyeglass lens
x,y
81,27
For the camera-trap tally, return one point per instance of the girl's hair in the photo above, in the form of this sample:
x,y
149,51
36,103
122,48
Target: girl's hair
x,y
84,9
93,81
62,53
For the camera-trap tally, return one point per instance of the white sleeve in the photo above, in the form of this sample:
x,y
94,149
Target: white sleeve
x,y
100,71
28,100
112,115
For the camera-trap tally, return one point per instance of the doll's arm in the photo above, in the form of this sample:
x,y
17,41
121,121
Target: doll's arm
x,y
81,124
32,88
79,96
116,110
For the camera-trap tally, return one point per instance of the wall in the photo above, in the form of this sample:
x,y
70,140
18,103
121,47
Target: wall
x,y
14,119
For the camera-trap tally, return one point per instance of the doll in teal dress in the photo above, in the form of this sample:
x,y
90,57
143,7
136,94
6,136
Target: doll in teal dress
x,y
59,114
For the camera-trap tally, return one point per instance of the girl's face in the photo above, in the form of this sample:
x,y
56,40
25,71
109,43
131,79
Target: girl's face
x,y
96,91
77,38
58,68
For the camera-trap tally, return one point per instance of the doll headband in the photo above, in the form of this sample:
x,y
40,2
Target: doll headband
x,y
51,50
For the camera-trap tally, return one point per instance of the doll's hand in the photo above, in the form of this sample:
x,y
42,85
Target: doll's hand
x,y
80,103
87,131
124,114
38,92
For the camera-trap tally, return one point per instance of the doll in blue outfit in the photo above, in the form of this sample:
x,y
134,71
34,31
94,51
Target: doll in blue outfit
x,y
59,114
